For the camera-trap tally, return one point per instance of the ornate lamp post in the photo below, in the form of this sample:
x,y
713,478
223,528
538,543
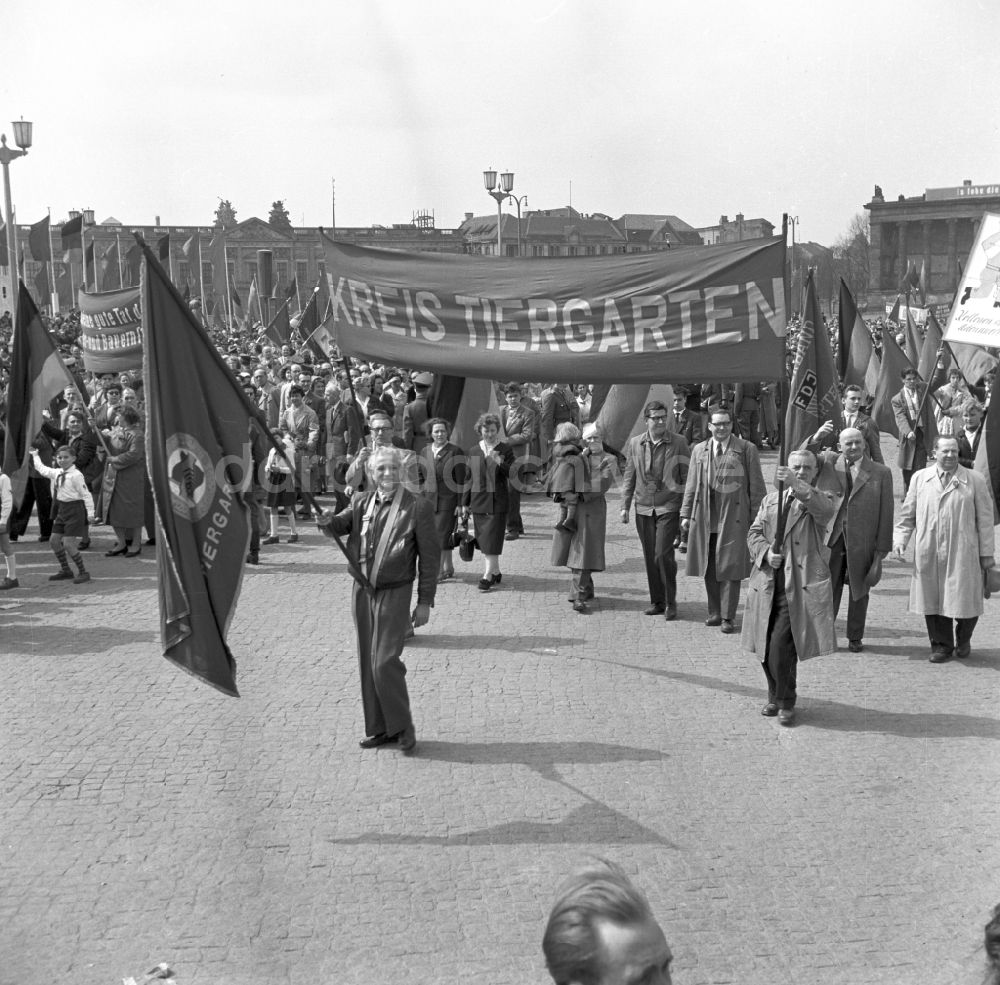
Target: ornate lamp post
x,y
499,190
22,137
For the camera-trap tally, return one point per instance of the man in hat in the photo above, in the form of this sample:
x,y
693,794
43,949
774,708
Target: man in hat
x,y
415,414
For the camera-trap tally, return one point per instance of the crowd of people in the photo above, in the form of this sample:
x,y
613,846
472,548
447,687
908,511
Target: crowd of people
x,y
367,439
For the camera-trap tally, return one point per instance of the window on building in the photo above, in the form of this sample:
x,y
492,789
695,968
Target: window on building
x,y
184,271
281,272
571,251
590,251
252,271
302,272
538,251
206,274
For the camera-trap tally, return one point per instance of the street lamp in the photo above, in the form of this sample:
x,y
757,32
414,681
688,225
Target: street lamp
x,y
22,137
793,221
518,202
499,190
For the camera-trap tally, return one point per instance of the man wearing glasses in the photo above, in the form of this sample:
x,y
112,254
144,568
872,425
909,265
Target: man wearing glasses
x,y
381,428
724,490
655,470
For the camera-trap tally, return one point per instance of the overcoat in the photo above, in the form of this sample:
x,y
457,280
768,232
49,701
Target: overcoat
x,y
807,577
905,423
739,503
486,489
868,522
954,528
121,492
584,548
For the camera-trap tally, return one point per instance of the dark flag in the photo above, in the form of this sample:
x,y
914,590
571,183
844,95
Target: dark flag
x,y
987,462
72,234
293,289
217,254
894,313
133,260
42,287
928,367
4,255
64,287
861,366
814,394
235,295
890,382
280,328
111,271
309,319
163,248
198,453
912,338
38,240
37,374
89,276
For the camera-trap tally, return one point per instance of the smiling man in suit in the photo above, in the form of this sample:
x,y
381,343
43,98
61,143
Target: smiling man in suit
x,y
859,535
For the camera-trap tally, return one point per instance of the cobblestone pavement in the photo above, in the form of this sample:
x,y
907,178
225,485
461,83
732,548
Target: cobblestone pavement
x,y
145,817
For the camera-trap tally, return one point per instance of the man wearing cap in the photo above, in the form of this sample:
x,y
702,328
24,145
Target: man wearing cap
x,y
415,414
520,426
558,407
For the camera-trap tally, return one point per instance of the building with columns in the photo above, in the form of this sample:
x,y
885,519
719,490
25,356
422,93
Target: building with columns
x,y
934,231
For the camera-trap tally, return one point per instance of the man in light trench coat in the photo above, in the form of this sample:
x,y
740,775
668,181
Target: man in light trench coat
x,y
789,611
723,492
950,510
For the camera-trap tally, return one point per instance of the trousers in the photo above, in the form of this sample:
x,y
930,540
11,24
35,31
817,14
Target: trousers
x,y
857,609
723,596
780,658
657,535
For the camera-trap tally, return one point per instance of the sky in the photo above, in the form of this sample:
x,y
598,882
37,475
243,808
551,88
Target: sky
x,y
694,109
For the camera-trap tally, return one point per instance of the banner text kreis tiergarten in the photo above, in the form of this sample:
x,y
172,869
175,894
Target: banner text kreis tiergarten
x,y
704,313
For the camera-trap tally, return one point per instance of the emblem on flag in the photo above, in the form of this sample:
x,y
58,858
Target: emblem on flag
x,y
191,476
807,390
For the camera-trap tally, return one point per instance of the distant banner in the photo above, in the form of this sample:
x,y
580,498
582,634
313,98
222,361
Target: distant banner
x,y
919,315
975,315
111,325
692,315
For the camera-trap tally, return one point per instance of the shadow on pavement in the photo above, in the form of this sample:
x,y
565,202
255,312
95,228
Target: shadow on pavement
x,y
590,822
839,717
531,644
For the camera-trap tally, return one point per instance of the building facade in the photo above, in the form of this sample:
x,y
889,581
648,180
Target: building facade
x,y
933,232
735,230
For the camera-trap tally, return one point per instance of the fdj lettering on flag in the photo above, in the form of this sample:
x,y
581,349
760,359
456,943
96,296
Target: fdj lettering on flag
x,y
699,314
806,392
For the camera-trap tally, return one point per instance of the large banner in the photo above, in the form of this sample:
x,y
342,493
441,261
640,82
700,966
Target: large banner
x,y
975,316
111,336
693,315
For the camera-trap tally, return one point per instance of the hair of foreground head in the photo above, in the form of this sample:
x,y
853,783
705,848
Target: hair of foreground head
x,y
601,891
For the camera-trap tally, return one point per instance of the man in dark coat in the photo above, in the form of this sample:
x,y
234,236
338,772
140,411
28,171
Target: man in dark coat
x,y
859,534
415,414
686,422
393,542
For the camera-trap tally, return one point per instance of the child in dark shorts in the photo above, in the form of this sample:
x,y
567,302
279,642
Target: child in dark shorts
x,y
72,504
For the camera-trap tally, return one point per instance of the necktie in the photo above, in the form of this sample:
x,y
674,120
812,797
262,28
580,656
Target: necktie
x,y
850,479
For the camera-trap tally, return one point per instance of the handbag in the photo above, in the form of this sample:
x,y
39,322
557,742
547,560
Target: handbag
x,y
991,582
464,541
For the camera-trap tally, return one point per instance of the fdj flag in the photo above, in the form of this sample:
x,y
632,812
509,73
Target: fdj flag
x,y
700,314
198,450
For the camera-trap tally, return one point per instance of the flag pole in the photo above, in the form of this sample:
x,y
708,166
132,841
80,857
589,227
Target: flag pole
x,y
225,267
784,390
121,271
52,263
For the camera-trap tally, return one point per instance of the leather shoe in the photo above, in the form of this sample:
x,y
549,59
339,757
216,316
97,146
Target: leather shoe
x,y
769,710
855,646
713,621
485,584
671,612
581,607
134,553
270,540
9,583
939,655
408,740
374,741
657,609
728,626
588,594
511,535
117,552
963,650
786,716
